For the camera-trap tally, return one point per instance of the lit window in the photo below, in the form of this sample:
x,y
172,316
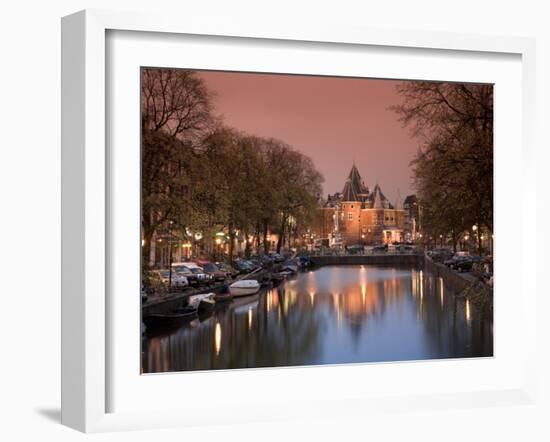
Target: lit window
x,y
350,216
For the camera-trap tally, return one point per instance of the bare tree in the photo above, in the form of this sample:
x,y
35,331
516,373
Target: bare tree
x,y
176,113
453,170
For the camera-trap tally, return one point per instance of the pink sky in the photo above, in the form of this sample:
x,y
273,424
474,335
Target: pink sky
x,y
333,120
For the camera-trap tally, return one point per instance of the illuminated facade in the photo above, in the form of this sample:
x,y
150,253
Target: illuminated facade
x,y
360,216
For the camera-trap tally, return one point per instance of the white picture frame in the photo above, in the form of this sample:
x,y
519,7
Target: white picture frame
x,y
86,315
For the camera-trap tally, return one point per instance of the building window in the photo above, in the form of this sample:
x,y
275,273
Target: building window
x,y
350,216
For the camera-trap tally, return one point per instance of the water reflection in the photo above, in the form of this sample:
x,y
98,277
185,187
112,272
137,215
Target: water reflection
x,y
330,315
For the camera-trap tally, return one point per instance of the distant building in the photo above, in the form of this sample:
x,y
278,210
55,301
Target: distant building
x,y
360,216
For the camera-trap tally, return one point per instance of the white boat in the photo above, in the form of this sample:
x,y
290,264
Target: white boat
x,y
244,287
194,300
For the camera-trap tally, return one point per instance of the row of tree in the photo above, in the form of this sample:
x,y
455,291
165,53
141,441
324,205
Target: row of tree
x,y
201,176
453,170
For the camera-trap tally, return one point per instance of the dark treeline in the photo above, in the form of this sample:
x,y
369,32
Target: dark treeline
x,y
199,175
453,170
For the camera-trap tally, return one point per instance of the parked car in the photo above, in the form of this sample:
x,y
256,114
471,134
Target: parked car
x,y
454,260
441,254
179,281
277,258
230,272
244,266
462,263
355,249
202,277
380,248
183,270
467,263
213,270
264,261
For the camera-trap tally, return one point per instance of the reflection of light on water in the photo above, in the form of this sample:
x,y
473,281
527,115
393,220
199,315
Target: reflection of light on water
x,y
249,318
363,293
336,299
269,300
218,338
421,287
468,316
421,293
293,296
312,296
441,291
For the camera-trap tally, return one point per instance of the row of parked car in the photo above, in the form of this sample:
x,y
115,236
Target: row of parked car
x,y
185,274
462,261
199,273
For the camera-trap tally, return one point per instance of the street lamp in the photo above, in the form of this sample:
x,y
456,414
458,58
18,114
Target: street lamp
x,y
479,238
170,256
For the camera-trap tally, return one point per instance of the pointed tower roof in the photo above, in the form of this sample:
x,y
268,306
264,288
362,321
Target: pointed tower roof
x,y
377,204
378,199
354,189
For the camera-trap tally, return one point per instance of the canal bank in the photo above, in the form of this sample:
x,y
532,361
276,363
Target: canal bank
x,y
458,281
175,300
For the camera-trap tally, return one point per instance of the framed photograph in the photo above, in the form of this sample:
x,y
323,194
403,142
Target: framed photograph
x,y
311,217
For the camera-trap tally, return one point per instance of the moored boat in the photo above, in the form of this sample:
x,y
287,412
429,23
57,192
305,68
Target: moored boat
x,y
222,297
244,287
171,319
206,305
194,300
290,266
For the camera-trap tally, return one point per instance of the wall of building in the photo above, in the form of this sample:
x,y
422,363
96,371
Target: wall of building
x,y
324,223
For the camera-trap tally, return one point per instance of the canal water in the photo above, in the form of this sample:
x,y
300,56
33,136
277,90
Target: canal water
x,y
332,315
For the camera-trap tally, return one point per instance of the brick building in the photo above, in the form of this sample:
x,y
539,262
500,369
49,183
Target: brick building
x,y
360,216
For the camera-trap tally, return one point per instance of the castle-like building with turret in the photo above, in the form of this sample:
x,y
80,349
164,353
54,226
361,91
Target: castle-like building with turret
x,y
358,215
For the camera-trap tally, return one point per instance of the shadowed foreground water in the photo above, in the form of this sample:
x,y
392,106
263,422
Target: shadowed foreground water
x,y
333,315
